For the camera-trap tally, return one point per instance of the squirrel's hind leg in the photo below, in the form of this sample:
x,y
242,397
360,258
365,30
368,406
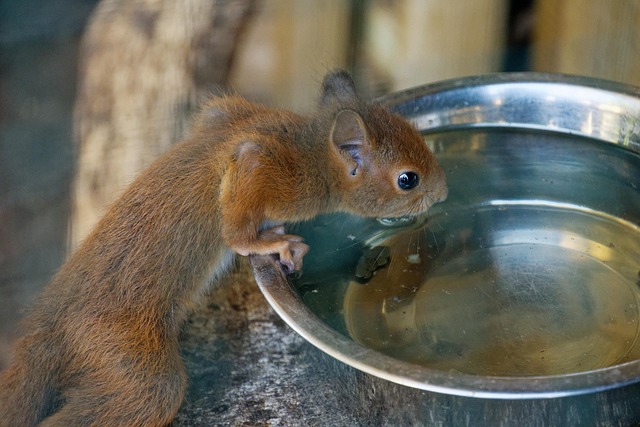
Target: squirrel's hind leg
x,y
139,399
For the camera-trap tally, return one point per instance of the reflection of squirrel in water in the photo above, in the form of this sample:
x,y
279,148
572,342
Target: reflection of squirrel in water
x,y
102,342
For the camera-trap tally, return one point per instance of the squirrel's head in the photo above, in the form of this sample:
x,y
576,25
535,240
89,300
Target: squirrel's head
x,y
385,168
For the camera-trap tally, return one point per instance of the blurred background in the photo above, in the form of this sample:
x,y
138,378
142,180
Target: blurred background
x,y
91,91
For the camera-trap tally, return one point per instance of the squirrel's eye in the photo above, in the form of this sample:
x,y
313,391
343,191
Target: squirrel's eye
x,y
408,180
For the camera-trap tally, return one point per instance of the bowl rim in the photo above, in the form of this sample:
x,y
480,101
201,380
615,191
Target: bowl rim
x,y
288,305
592,95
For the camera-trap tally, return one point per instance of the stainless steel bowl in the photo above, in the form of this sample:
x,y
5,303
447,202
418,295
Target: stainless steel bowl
x,y
525,283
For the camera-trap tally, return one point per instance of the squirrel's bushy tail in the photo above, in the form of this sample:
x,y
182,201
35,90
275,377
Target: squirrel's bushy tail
x,y
28,391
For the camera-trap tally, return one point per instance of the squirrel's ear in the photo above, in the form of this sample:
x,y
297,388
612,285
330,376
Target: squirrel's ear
x,y
337,86
349,139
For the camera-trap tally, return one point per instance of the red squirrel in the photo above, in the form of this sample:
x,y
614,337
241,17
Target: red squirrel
x,y
101,345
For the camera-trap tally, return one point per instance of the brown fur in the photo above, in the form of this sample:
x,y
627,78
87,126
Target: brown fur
x,y
102,343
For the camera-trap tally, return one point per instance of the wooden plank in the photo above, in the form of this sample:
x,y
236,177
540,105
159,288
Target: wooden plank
x,y
591,38
287,50
411,42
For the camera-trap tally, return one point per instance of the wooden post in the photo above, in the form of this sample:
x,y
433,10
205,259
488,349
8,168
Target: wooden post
x,y
288,49
591,38
411,42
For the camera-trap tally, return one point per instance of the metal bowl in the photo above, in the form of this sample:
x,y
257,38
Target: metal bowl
x,y
525,283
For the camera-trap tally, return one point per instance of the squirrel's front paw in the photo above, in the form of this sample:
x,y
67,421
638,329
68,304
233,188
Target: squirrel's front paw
x,y
291,256
290,247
